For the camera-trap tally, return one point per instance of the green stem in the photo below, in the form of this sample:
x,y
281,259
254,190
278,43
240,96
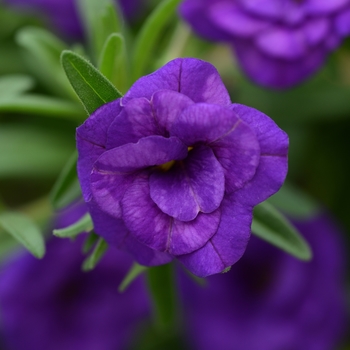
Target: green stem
x,y
162,289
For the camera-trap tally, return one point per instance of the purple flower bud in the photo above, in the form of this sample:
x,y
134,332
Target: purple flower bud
x,y
63,14
173,169
52,304
271,301
278,43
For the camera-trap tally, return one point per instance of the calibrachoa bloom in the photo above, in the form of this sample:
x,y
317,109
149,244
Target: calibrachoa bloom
x,y
271,301
174,169
63,14
50,304
278,43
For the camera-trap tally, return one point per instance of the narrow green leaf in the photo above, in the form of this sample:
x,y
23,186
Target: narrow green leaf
x,y
89,242
24,230
114,61
84,224
66,188
164,296
294,202
43,51
101,18
41,105
271,226
92,88
149,34
16,84
98,252
132,274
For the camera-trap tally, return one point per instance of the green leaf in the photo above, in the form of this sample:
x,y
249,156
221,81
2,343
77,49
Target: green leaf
x,y
147,39
12,85
66,188
164,296
101,18
84,224
271,226
92,88
31,151
98,252
114,61
43,52
133,273
89,242
294,202
24,231
41,105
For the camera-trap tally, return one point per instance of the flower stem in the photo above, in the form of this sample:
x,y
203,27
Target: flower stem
x,y
162,289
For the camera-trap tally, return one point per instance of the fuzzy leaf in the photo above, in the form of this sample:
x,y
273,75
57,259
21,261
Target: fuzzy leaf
x,y
92,88
98,252
132,274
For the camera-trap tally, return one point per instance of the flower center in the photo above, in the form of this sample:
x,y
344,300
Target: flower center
x,y
168,165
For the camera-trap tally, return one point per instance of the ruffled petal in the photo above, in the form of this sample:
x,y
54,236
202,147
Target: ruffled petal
x,y
273,165
203,122
159,231
91,140
275,72
198,80
272,139
134,122
342,23
268,179
116,234
230,18
197,13
282,42
196,184
317,7
115,169
167,106
227,246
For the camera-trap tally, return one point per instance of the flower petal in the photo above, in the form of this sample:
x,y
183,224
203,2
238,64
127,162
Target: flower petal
x,y
282,42
272,139
116,234
268,179
198,80
274,72
115,169
167,106
91,141
273,164
195,185
228,245
134,122
203,122
232,19
159,231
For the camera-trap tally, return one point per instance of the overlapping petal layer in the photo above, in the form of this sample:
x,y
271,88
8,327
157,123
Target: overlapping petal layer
x,y
278,43
176,169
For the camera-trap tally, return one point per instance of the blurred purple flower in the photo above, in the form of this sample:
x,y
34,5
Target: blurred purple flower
x,y
174,169
51,304
63,14
278,43
271,301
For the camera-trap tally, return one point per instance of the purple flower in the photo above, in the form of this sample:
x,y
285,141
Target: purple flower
x,y
174,169
278,43
271,301
63,14
52,304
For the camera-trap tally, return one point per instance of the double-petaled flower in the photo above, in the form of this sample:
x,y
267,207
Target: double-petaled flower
x,y
278,43
173,169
